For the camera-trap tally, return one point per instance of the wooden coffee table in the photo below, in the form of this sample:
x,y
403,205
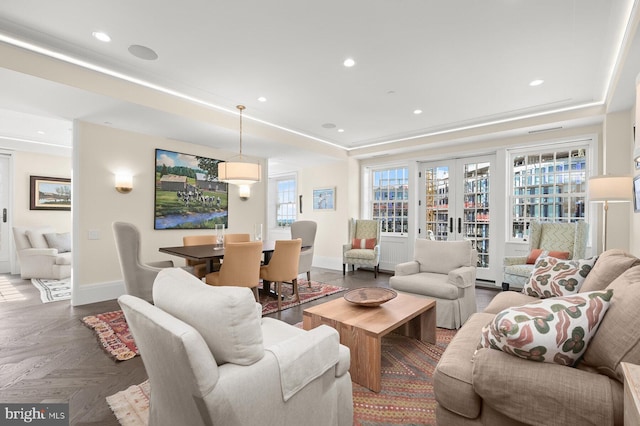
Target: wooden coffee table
x,y
361,329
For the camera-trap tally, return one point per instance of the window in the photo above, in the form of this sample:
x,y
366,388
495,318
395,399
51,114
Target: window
x,y
390,198
548,186
286,204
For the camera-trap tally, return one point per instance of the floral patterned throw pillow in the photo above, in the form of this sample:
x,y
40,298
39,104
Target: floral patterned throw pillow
x,y
553,277
554,330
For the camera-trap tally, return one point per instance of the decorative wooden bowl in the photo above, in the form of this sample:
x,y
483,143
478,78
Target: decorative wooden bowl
x,y
369,296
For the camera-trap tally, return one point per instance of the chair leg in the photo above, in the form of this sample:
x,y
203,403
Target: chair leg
x,y
343,269
255,293
309,278
279,294
375,271
296,292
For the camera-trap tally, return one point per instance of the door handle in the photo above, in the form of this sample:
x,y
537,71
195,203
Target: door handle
x,y
450,224
4,215
459,225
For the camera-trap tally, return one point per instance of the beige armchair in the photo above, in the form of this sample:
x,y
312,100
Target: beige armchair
x,y
228,366
305,230
550,236
363,248
283,267
444,271
42,252
241,267
138,277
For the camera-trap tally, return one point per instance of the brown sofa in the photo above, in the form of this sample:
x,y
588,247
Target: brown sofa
x,y
489,387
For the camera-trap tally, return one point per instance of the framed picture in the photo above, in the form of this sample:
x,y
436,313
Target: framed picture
x,y
324,199
188,194
636,194
50,193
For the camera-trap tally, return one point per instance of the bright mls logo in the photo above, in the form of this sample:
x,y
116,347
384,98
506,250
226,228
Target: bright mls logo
x,y
34,414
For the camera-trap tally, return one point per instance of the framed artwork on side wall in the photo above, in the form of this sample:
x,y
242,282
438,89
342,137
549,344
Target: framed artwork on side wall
x,y
49,193
324,198
188,194
636,194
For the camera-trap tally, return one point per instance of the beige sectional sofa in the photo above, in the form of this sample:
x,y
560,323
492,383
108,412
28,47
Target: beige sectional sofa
x,y
490,387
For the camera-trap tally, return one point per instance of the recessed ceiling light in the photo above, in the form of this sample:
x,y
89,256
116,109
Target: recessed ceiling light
x,y
340,130
536,83
417,111
40,132
329,126
349,62
101,36
262,99
143,52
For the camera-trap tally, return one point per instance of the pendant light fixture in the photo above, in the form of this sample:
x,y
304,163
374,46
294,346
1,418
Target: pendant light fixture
x,y
239,172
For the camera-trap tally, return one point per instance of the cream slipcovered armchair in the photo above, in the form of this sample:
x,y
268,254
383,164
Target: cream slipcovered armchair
x,y
43,253
444,271
549,236
363,248
212,359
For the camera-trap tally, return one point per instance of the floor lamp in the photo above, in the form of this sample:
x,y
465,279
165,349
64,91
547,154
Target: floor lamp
x,y
609,189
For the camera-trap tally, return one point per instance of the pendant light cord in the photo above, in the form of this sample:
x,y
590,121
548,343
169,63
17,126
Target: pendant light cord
x,y
241,108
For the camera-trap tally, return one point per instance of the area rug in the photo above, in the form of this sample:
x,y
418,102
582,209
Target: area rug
x,y
115,338
53,290
406,397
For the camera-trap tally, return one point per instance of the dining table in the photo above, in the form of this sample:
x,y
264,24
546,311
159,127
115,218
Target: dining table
x,y
210,252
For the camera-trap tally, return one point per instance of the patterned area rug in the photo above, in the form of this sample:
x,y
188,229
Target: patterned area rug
x,y
115,338
53,290
406,397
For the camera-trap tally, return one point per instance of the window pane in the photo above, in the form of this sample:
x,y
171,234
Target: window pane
x,y
389,193
286,205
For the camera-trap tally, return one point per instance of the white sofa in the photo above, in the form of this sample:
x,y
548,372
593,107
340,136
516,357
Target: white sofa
x,y
444,271
42,252
212,359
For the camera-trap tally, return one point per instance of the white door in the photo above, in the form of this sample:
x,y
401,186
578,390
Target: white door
x,y
5,209
456,206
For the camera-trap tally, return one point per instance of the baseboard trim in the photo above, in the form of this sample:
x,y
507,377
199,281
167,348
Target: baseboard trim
x,y
96,292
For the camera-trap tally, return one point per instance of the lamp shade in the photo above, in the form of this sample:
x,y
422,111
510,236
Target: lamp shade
x,y
610,188
239,173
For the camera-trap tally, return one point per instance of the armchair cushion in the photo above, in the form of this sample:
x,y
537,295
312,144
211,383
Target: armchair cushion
x,y
226,317
60,242
442,256
363,243
536,253
555,330
556,277
428,284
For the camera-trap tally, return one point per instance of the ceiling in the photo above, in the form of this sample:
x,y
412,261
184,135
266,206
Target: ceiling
x,y
463,63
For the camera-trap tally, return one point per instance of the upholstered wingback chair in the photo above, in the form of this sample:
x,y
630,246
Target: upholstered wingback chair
x,y
363,248
550,236
444,271
305,230
212,359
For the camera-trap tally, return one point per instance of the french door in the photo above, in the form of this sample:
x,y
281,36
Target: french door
x,y
5,208
457,203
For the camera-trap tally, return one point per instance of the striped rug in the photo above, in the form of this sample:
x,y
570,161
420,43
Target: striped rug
x,y
406,397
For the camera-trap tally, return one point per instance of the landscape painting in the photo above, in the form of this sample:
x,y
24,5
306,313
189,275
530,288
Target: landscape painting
x,y
49,193
188,194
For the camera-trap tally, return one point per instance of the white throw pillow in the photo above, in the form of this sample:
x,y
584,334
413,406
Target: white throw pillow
x,y
36,236
61,242
224,316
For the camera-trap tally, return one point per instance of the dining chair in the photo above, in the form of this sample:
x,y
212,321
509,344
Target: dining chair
x,y
236,238
283,267
305,230
138,276
240,268
199,267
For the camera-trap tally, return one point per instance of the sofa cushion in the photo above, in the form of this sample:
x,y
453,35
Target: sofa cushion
x,y
427,284
609,266
508,299
555,330
226,317
36,236
556,277
452,378
618,339
450,255
61,242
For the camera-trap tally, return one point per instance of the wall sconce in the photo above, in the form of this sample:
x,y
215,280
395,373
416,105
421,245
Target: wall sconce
x,y
124,183
244,191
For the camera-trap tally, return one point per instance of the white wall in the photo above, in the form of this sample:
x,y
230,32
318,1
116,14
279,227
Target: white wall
x,y
99,152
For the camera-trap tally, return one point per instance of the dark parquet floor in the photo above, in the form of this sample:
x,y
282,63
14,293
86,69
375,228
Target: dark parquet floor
x,y
48,355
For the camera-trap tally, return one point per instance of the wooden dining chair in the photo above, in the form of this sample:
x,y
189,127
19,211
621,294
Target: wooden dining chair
x,y
283,267
240,268
199,266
